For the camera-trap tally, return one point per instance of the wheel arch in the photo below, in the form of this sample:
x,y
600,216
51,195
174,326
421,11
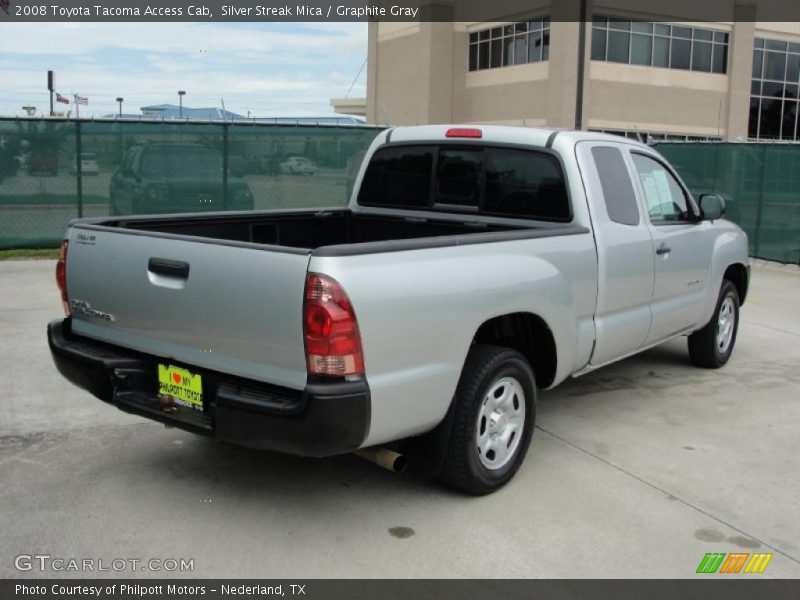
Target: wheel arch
x,y
739,275
528,334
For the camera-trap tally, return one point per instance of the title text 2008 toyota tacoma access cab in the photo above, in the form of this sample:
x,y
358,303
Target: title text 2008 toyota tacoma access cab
x,y
472,267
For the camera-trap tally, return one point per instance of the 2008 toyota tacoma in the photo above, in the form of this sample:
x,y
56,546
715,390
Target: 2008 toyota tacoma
x,y
473,267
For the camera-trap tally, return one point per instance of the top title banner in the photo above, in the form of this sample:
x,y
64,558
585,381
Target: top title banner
x,y
392,10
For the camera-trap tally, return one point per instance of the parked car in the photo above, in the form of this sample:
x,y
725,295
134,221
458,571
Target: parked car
x,y
268,164
9,164
264,164
242,165
89,164
170,177
42,163
297,165
473,268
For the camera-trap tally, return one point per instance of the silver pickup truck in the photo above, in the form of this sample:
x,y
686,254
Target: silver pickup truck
x,y
473,267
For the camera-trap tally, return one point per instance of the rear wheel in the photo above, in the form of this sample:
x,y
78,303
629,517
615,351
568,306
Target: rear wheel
x,y
712,346
495,406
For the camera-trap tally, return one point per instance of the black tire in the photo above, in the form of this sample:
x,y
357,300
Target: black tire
x,y
462,467
704,347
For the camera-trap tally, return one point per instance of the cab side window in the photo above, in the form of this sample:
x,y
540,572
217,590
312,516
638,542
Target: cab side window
x,y
617,186
665,199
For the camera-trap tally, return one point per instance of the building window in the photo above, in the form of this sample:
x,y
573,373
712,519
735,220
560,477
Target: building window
x,y
774,91
659,45
652,137
515,44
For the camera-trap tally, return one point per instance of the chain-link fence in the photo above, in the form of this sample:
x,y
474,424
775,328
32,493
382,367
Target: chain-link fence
x,y
52,171
760,184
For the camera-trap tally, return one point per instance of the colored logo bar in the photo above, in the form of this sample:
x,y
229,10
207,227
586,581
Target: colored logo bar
x,y
735,562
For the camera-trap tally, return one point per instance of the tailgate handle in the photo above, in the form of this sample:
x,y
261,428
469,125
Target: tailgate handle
x,y
170,268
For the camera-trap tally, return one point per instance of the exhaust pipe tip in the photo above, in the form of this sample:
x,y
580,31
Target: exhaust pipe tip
x,y
399,464
385,458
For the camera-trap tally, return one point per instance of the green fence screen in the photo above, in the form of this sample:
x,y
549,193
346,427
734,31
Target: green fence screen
x,y
52,171
760,184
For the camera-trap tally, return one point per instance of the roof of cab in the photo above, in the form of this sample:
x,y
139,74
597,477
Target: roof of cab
x,y
506,134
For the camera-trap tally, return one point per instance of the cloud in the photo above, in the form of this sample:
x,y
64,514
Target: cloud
x,y
184,38
264,67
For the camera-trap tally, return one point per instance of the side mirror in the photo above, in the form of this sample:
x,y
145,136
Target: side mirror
x,y
712,207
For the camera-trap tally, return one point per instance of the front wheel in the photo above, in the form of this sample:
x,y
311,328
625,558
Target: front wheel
x,y
712,346
495,410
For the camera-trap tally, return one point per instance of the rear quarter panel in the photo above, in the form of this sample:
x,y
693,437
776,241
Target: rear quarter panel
x,y
418,311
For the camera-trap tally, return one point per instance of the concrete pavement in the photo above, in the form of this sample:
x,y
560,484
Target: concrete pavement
x,y
636,470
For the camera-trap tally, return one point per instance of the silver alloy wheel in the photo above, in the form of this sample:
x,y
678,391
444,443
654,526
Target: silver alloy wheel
x,y
725,324
501,420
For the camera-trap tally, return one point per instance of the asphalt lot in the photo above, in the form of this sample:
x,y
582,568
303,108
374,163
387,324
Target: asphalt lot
x,y
636,470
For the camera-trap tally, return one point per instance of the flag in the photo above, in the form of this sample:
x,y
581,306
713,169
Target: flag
x,y
83,101
62,99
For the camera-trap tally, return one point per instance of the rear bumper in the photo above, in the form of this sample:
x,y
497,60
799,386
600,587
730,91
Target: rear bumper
x,y
322,420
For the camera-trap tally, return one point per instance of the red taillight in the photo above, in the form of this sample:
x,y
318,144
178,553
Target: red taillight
x,y
61,276
464,132
333,344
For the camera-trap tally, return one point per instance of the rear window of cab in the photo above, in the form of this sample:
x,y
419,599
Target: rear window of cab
x,y
498,181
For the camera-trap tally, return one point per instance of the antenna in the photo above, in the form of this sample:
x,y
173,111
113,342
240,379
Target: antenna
x,y
385,114
224,114
638,134
350,89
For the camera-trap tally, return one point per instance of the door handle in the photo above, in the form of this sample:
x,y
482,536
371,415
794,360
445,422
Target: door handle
x,y
663,249
170,268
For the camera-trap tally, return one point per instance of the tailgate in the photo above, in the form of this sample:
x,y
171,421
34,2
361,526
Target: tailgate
x,y
223,307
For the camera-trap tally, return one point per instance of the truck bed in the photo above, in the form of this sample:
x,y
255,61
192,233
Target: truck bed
x,y
307,230
224,291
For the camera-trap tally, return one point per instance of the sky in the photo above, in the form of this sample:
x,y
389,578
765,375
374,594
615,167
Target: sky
x,y
270,69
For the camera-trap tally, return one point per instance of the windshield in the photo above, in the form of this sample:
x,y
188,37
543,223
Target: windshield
x,y
181,161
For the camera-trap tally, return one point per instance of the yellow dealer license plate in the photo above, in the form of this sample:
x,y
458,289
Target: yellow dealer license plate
x,y
185,387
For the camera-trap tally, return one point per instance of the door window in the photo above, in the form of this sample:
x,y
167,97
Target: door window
x,y
665,199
